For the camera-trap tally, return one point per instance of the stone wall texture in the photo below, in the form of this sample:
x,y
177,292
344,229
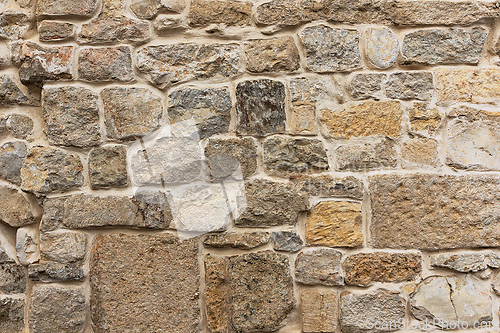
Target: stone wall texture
x,y
249,166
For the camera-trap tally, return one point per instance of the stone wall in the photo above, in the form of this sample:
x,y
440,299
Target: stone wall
x,y
226,166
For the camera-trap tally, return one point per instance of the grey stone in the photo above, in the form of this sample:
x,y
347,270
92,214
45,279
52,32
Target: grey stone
x,y
465,262
203,13
20,126
326,186
52,217
12,276
365,86
382,47
260,107
209,109
63,247
154,207
108,167
56,272
290,155
381,154
15,210
244,241
272,55
105,29
410,85
85,8
71,116
157,273
331,50
271,204
434,212
12,155
176,63
444,46
131,112
12,315
46,170
233,157
319,267
27,246
360,312
105,64
288,241
57,309
10,93
49,31
14,24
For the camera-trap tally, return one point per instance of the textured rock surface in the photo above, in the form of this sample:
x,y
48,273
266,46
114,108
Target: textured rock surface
x,y
105,64
382,47
335,224
444,212
10,93
424,120
12,315
12,155
365,86
63,247
272,55
380,154
56,272
114,29
19,126
420,152
14,24
154,207
319,267
466,262
108,167
50,31
27,245
410,85
305,93
158,273
237,240
288,241
216,294
85,8
203,13
12,276
319,311
15,210
231,157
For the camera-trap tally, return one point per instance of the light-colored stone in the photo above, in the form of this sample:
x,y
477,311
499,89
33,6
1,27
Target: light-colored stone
x,y
203,13
15,210
164,24
12,155
420,152
144,9
272,55
380,154
108,167
365,86
27,245
326,186
495,284
235,157
319,267
382,47
12,310
469,262
84,8
244,241
410,85
65,247
319,311
105,64
287,241
14,24
114,29
424,120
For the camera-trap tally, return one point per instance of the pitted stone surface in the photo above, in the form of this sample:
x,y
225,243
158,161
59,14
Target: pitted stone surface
x,y
20,126
319,267
12,276
56,272
12,315
272,55
108,167
365,86
231,157
154,207
14,24
237,240
50,31
15,210
12,155
203,13
287,241
410,85
382,47
105,64
326,186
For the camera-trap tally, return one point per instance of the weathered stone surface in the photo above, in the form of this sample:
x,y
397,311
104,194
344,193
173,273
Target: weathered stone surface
x,y
56,308
175,6
10,93
305,93
360,312
167,64
144,9
158,273
12,315
288,241
319,267
12,155
284,155
71,116
52,214
382,47
424,120
434,212
105,29
260,107
63,247
331,50
12,277
444,46
14,24
19,126
262,291
15,210
108,167
46,170
272,55
203,13
27,245
365,86
166,23
217,294
56,272
154,207
364,269
495,284
319,311
105,64
271,204
335,224
131,112
420,152
49,31
237,240
473,140
365,119
466,262
326,186
381,154
85,8
410,85
233,157
208,109
479,86
451,301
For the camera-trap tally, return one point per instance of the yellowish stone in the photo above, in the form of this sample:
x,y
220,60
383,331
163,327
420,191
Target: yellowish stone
x,y
303,118
319,311
423,119
420,152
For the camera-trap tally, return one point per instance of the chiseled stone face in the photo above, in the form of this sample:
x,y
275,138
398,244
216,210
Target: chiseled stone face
x,y
410,85
272,55
12,310
108,167
319,311
105,64
65,247
233,157
470,262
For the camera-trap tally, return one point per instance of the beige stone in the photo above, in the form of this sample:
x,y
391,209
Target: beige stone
x,y
424,120
319,311
202,13
217,294
237,240
303,119
418,151
272,55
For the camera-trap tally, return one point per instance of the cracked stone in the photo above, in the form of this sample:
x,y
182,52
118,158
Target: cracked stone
x,y
319,267
12,155
244,241
108,167
105,64
288,241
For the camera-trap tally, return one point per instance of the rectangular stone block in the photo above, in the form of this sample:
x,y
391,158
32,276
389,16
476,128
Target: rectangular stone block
x,y
319,311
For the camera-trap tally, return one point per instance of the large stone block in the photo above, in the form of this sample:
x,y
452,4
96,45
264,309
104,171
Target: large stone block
x,y
203,13
319,311
105,64
231,157
382,47
84,8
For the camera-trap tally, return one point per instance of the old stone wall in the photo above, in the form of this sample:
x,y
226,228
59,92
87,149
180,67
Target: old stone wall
x,y
225,166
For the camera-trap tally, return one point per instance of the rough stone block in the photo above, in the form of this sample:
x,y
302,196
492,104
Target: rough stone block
x,y
382,47
424,120
420,152
244,241
105,64
203,13
18,125
470,262
51,31
319,311
108,167
154,207
84,8
12,314
56,272
380,154
15,210
27,245
14,24
365,86
272,55
217,294
233,157
410,85
326,186
12,155
65,247
319,267
287,241
105,29
12,276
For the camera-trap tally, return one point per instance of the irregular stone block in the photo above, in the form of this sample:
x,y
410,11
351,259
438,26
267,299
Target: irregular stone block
x,y
331,50
305,93
444,46
381,154
432,212
288,241
163,24
154,207
108,167
131,112
319,311
271,204
364,269
420,152
12,276
260,107
27,246
46,170
158,273
14,24
56,272
233,157
448,301
84,8
473,139
12,155
272,55
175,6
365,119
15,210
361,312
209,109
105,29
52,213
217,294
424,120
51,31
19,126
12,310
244,241
326,186
57,308
71,116
105,64
167,64
382,47
10,93
144,9
365,86
466,262
410,85
335,224
65,247
203,13
319,267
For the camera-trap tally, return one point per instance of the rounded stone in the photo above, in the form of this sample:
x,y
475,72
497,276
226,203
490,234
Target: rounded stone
x,y
381,47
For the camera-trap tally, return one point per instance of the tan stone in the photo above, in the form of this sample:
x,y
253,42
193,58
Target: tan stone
x,y
423,119
216,294
365,119
237,240
229,12
303,118
272,55
418,151
335,224
319,311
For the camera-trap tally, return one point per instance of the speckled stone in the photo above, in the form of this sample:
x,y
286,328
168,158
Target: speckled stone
x,y
382,47
51,31
410,85
203,13
108,167
319,267
234,157
105,64
272,55
365,86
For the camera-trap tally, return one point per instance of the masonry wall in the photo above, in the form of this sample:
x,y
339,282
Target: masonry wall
x,y
249,166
